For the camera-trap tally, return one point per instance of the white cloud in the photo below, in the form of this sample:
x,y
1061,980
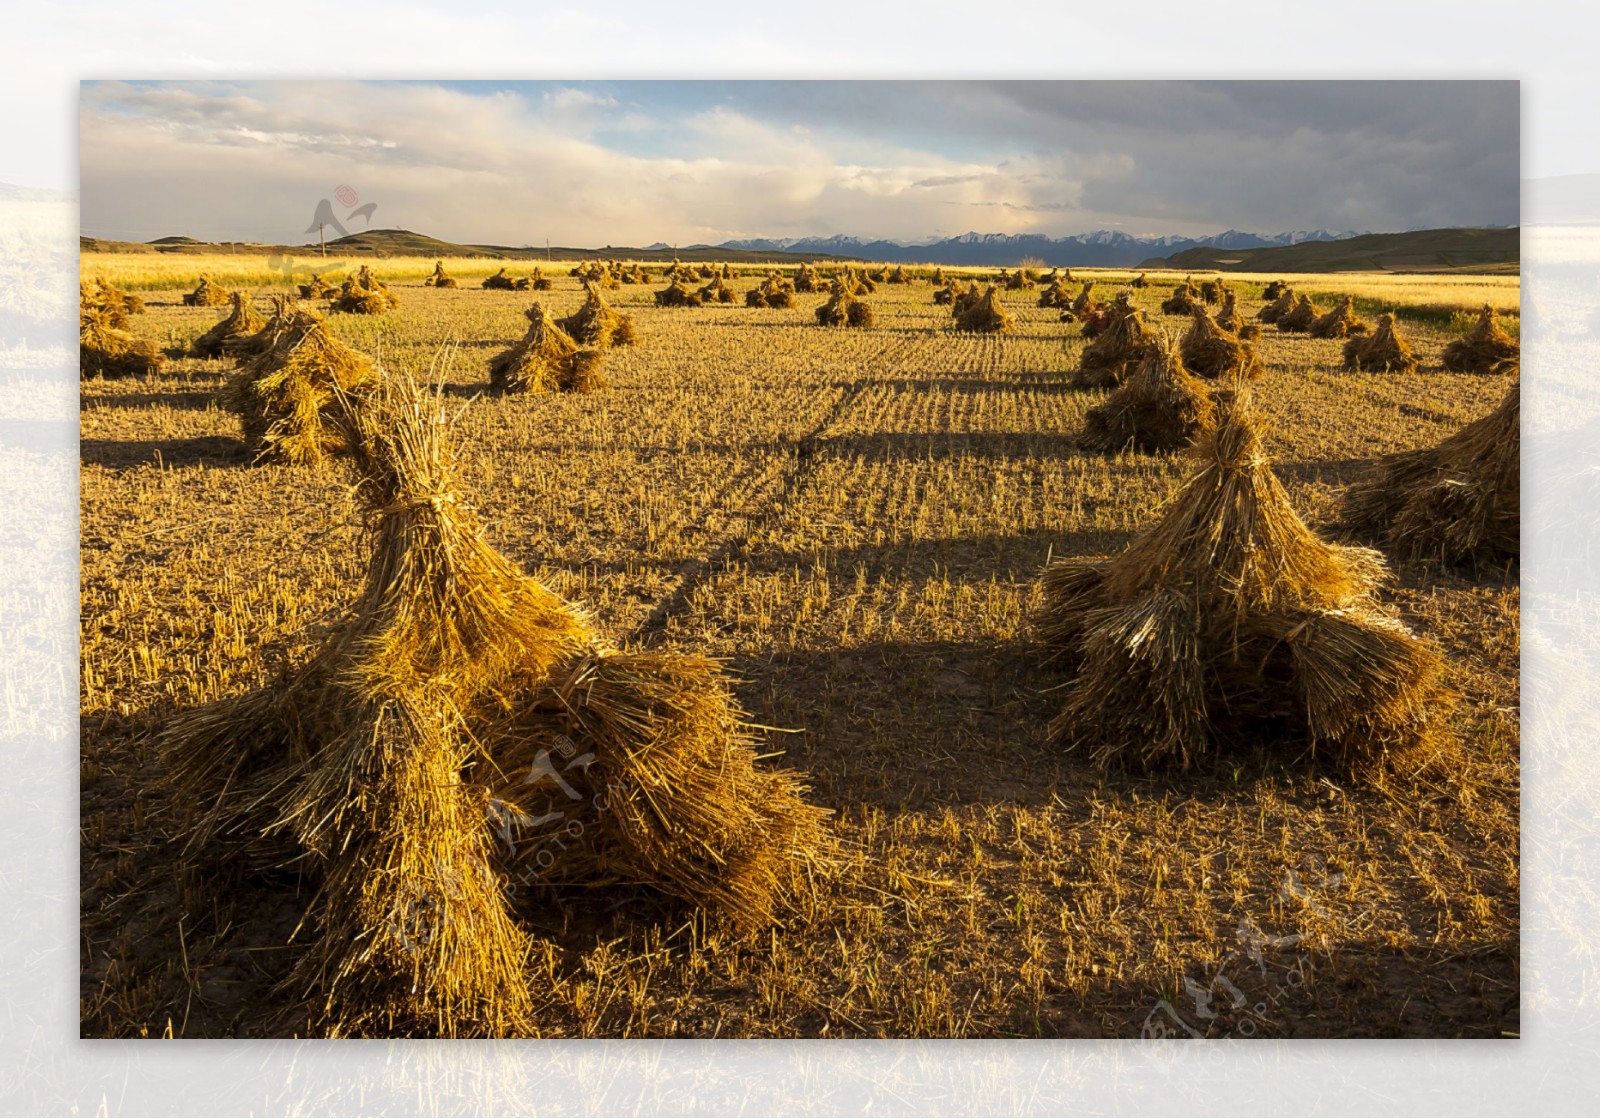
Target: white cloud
x,y
245,160
571,98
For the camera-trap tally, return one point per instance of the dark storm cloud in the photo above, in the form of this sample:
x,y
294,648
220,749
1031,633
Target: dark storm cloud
x,y
1368,154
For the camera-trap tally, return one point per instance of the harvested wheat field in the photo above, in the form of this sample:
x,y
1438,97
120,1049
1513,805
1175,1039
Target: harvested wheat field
x,y
813,558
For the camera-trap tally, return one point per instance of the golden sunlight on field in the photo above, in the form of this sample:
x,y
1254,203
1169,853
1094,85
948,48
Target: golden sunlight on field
x,y
963,802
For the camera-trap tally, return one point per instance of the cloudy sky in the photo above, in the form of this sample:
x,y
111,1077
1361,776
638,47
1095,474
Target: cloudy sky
x,y
630,163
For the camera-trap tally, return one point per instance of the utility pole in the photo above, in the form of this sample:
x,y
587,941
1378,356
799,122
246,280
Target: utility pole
x,y
547,250
321,240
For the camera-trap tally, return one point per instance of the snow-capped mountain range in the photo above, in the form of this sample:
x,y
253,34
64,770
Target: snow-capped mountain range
x,y
1104,247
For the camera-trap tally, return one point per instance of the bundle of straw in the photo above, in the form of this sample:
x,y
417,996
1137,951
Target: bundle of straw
x,y
546,359
1117,350
1021,280
1056,295
965,300
1229,623
1095,318
676,295
1383,351
500,281
104,350
858,283
1182,301
1233,322
1280,305
240,322
596,324
1301,318
318,288
1484,349
1085,300
1341,322
404,767
1160,407
1212,353
774,291
986,316
597,275
843,308
106,297
291,394
440,278
1459,502
207,294
365,294
243,346
717,292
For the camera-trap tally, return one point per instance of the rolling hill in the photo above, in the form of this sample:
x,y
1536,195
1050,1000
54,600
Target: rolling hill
x,y
404,242
1422,250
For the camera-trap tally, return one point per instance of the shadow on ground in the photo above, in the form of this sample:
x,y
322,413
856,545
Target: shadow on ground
x,y
204,450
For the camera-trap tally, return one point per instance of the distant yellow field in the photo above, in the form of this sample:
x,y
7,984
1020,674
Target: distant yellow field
x,y
1438,295
1453,292
1430,295
155,271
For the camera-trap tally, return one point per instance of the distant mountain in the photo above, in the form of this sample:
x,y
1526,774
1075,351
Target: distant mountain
x,y
1422,250
1104,248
